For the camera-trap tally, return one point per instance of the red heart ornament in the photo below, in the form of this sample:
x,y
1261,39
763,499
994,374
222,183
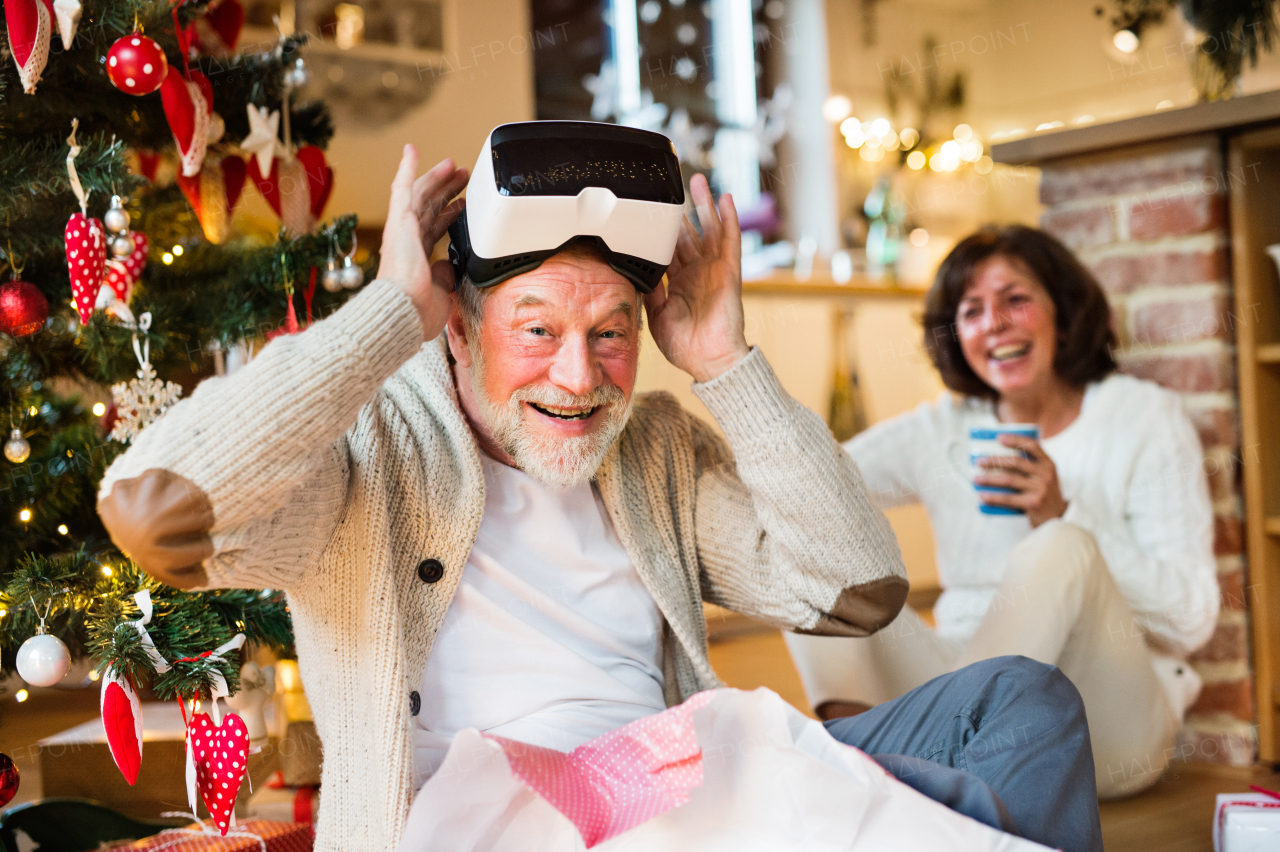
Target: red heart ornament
x,y
122,719
218,30
213,194
188,104
221,754
123,273
86,261
319,177
30,26
296,189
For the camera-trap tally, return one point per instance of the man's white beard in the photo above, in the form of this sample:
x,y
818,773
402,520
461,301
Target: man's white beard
x,y
554,460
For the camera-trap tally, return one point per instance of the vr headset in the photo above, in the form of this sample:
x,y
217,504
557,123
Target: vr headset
x,y
540,185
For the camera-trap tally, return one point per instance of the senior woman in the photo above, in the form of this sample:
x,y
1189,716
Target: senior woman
x,y
1109,573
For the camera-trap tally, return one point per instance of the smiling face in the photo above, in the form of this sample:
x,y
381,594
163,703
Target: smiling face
x,y
1005,323
547,375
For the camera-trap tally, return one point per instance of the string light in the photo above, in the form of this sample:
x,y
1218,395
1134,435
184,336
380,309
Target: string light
x,y
24,515
916,160
106,571
177,251
919,237
62,528
94,675
963,133
99,409
22,695
32,411
167,258
3,612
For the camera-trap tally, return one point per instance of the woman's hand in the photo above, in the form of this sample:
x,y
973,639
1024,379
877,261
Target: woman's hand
x,y
420,212
698,322
1035,480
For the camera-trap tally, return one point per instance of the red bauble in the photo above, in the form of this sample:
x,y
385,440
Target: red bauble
x,y
8,779
23,310
136,65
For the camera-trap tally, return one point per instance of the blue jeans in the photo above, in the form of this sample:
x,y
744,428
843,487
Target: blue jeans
x,y
1003,733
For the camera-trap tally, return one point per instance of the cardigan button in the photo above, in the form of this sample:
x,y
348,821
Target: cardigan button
x,y
430,570
415,703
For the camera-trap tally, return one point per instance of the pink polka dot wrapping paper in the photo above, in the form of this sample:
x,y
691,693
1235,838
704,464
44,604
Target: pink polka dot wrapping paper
x,y
726,770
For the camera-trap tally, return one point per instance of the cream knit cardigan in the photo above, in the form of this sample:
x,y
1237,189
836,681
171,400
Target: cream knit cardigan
x,y
338,460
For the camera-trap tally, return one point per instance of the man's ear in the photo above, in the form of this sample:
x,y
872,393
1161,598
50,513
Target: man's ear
x,y
456,334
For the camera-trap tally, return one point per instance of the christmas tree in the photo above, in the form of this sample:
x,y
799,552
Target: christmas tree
x,y
149,88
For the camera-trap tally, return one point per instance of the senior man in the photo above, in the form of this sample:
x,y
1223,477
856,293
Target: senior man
x,y
485,528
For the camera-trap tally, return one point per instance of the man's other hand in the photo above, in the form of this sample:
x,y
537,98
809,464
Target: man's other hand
x,y
697,322
420,212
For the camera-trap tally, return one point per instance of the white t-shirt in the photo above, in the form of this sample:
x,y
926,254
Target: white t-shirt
x,y
552,637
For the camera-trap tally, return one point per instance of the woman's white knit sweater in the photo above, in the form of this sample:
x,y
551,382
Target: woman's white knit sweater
x,y
338,466
1132,468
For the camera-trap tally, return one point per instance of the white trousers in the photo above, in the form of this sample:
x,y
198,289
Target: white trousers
x,y
1058,604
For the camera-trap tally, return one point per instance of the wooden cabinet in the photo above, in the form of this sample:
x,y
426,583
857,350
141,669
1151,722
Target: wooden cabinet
x,y
1254,170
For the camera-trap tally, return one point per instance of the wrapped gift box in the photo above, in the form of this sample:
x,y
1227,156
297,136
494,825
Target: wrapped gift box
x,y
244,837
1246,822
77,763
277,801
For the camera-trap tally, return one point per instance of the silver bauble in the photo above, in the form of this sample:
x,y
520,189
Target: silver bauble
x,y
298,76
352,276
16,449
43,660
121,245
116,219
331,278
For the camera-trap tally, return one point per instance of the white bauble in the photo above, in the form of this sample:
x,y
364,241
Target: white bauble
x,y
331,278
43,660
351,275
16,449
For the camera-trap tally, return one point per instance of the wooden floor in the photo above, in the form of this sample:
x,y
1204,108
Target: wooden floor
x,y
1174,816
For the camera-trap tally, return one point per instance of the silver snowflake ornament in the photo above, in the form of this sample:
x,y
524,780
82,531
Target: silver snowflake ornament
x,y
140,401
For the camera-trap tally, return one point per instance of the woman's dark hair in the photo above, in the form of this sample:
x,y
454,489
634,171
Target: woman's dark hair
x,y
1081,312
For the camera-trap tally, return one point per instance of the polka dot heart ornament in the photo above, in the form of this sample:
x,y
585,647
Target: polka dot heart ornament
x,y
221,754
136,65
122,274
85,240
86,261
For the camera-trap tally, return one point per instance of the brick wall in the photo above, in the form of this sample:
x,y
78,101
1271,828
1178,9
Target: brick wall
x,y
1151,224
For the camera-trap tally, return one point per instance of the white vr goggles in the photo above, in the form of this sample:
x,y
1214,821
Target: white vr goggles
x,y
540,185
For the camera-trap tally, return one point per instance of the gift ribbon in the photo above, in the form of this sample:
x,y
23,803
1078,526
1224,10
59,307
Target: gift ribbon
x,y
184,835
81,195
143,600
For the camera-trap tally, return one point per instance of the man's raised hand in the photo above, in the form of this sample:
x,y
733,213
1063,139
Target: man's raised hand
x,y
698,322
419,214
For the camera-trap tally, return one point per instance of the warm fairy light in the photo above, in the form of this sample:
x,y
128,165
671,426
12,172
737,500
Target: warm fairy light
x,y
909,137
195,708
3,612
22,695
850,126
916,160
99,409
919,237
106,571
836,108
32,411
62,528
94,675
963,133
984,165
880,127
1126,41
24,515
167,258
177,251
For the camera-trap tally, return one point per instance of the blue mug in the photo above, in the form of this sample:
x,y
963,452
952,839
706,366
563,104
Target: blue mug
x,y
984,441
